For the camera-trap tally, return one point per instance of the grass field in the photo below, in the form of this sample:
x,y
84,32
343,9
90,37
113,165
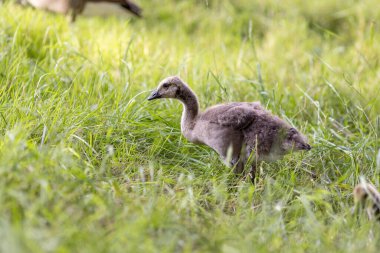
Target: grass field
x,y
88,165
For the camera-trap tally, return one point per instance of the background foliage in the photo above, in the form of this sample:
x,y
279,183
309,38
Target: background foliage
x,y
88,165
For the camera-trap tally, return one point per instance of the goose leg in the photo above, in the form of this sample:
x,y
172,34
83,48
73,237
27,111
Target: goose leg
x,y
73,16
77,7
132,7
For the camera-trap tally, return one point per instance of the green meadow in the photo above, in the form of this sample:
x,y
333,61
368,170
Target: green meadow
x,y
87,164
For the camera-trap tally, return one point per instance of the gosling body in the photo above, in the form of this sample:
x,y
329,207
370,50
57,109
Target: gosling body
x,y
236,130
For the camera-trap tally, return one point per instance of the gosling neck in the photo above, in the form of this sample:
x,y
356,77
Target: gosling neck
x,y
190,110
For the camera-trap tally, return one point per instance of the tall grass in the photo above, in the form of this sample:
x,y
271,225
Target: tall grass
x,y
88,165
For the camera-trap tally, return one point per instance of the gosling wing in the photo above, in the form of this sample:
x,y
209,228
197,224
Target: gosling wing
x,y
234,115
237,117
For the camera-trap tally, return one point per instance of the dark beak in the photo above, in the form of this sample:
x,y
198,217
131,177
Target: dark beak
x,y
154,95
307,147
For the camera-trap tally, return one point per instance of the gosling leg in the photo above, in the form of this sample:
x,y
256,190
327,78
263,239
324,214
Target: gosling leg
x,y
238,166
252,174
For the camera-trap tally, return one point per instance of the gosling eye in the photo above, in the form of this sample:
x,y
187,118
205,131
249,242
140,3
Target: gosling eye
x,y
166,85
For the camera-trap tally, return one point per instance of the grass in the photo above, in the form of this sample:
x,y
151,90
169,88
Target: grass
x,y
88,165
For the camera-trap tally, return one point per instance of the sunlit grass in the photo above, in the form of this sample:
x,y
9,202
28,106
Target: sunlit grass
x,y
88,165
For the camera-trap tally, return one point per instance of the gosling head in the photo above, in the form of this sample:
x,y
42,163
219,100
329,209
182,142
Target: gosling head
x,y
294,141
170,87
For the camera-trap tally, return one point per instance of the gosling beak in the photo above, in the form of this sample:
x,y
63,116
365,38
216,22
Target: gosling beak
x,y
306,147
154,95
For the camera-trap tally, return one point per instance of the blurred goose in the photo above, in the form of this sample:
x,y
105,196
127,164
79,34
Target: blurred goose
x,y
367,196
234,130
75,7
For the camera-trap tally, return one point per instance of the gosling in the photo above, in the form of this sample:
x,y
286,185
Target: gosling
x,y
237,131
366,196
75,7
